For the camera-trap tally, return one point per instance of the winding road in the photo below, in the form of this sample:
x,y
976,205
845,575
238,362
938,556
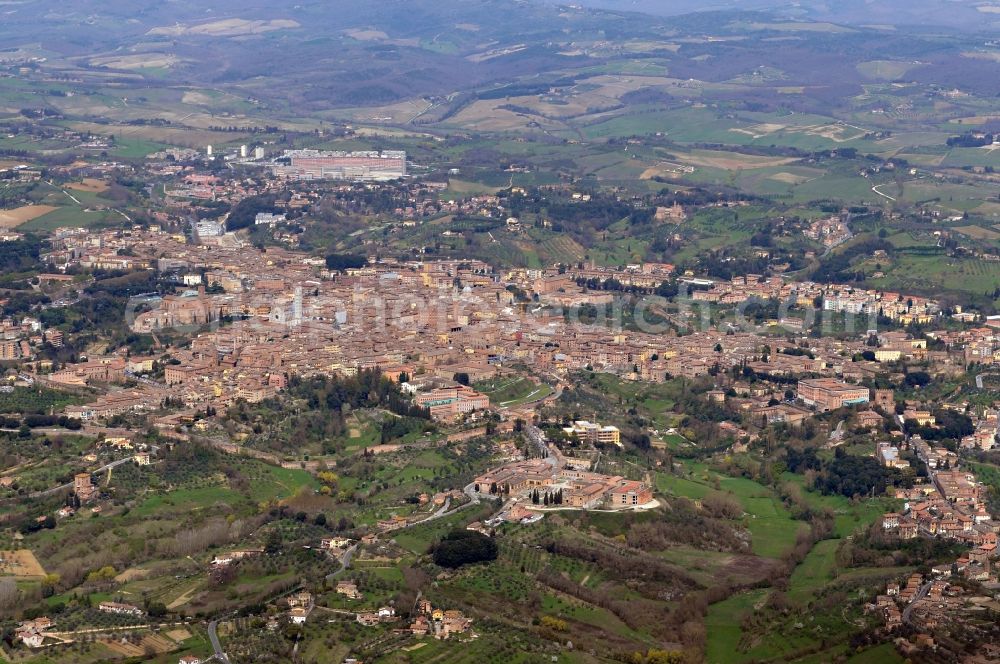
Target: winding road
x,y
875,189
213,636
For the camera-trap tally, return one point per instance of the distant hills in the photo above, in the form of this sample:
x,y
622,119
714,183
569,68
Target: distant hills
x,y
976,15
310,56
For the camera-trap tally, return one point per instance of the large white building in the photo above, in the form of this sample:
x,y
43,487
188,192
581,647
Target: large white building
x,y
209,228
322,165
595,433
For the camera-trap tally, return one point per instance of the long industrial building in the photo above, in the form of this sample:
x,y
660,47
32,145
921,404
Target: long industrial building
x,y
359,166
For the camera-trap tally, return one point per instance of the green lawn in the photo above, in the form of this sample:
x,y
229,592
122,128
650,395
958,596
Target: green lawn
x,y
772,528
135,148
814,572
513,391
280,483
679,486
187,500
419,538
723,626
881,654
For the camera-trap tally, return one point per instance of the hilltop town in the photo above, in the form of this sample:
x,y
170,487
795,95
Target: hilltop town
x,y
434,333
228,327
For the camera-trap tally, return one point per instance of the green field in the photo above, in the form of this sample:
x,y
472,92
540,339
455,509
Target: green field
x,y
927,273
509,391
270,483
772,528
787,637
35,400
72,216
186,500
815,637
276,483
848,515
988,474
723,626
814,572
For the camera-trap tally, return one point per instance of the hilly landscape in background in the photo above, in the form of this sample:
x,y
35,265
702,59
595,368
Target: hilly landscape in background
x,y
307,55
927,15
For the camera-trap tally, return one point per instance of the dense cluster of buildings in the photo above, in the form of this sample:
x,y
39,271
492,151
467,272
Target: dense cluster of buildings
x,y
905,309
830,231
441,624
899,307
980,345
924,603
266,315
578,489
951,505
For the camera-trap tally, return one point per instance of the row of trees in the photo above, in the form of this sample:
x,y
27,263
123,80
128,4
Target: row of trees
x,y
548,498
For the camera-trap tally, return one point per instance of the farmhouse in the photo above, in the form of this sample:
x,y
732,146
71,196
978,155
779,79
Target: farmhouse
x,y
120,609
349,589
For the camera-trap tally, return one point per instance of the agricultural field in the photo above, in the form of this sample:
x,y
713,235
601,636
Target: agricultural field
x,y
134,142
884,70
20,216
73,217
90,185
21,564
269,483
930,273
36,400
